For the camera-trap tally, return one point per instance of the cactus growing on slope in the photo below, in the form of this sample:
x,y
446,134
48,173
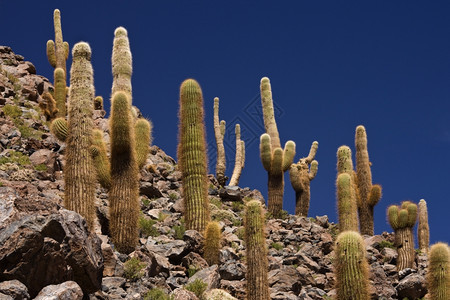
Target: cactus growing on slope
x,y
275,160
239,160
213,236
438,273
192,156
143,131
301,175
351,267
78,174
423,230
219,133
346,203
255,242
368,194
402,220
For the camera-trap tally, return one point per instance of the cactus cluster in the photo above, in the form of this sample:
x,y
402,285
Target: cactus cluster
x,y
275,159
255,241
402,219
438,273
192,156
300,175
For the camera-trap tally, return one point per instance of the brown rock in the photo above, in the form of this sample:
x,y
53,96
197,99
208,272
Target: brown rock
x,y
64,291
14,289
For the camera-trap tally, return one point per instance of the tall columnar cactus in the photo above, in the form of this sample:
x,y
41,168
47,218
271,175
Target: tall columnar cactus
x,y
402,220
57,54
438,274
347,211
369,194
143,130
192,156
213,236
79,177
239,160
219,132
122,66
255,241
423,230
275,160
301,175
351,267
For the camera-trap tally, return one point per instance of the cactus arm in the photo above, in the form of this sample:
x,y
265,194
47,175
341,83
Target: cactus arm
x,y
313,170
143,132
51,56
266,151
312,152
375,195
288,155
268,112
277,162
60,91
121,62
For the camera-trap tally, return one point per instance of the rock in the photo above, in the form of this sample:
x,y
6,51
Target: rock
x,y
230,193
218,294
149,190
236,288
112,283
194,241
232,270
14,289
285,279
194,260
64,291
182,294
174,250
43,250
411,287
209,275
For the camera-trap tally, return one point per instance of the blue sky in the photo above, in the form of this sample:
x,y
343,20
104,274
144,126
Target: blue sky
x,y
333,66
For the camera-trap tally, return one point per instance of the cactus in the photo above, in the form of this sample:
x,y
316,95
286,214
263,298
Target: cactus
x,y
402,220
275,160
351,267
60,129
423,230
78,174
301,175
347,211
98,103
369,194
122,66
143,131
239,160
213,236
219,132
48,106
438,274
255,241
192,156
100,158
57,54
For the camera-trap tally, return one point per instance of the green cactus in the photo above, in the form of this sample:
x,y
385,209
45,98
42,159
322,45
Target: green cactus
x,y
438,274
351,267
48,106
213,236
275,160
98,103
239,160
301,174
255,242
369,194
100,158
60,129
57,54
219,132
402,219
78,173
423,230
122,66
347,211
192,156
143,131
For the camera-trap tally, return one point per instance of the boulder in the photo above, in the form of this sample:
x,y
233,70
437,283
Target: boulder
x,y
14,289
64,291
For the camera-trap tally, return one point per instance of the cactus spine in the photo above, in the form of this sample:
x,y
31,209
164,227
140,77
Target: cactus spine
x,y
239,160
352,269
219,132
78,174
275,160
301,175
213,236
438,275
402,220
423,230
192,156
255,241
347,211
57,54
369,194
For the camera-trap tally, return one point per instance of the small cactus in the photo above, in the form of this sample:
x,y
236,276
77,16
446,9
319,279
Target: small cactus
x,y
351,267
60,129
347,211
438,274
98,103
402,219
100,158
192,156
301,175
143,131
255,241
368,194
239,160
213,236
219,133
423,230
48,106
275,160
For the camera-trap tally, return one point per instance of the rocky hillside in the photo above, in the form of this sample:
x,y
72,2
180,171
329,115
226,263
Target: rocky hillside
x,y
46,251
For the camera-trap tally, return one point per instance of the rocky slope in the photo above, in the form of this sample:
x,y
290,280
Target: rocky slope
x,y
46,251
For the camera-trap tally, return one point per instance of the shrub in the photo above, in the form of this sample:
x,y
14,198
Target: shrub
x,y
133,269
16,157
198,287
276,246
179,231
146,227
12,111
386,244
157,294
41,167
173,196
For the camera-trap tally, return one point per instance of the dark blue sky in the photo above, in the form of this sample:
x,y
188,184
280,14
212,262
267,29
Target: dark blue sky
x,y
333,66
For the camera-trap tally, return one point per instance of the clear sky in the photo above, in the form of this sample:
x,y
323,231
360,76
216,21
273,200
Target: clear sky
x,y
333,65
